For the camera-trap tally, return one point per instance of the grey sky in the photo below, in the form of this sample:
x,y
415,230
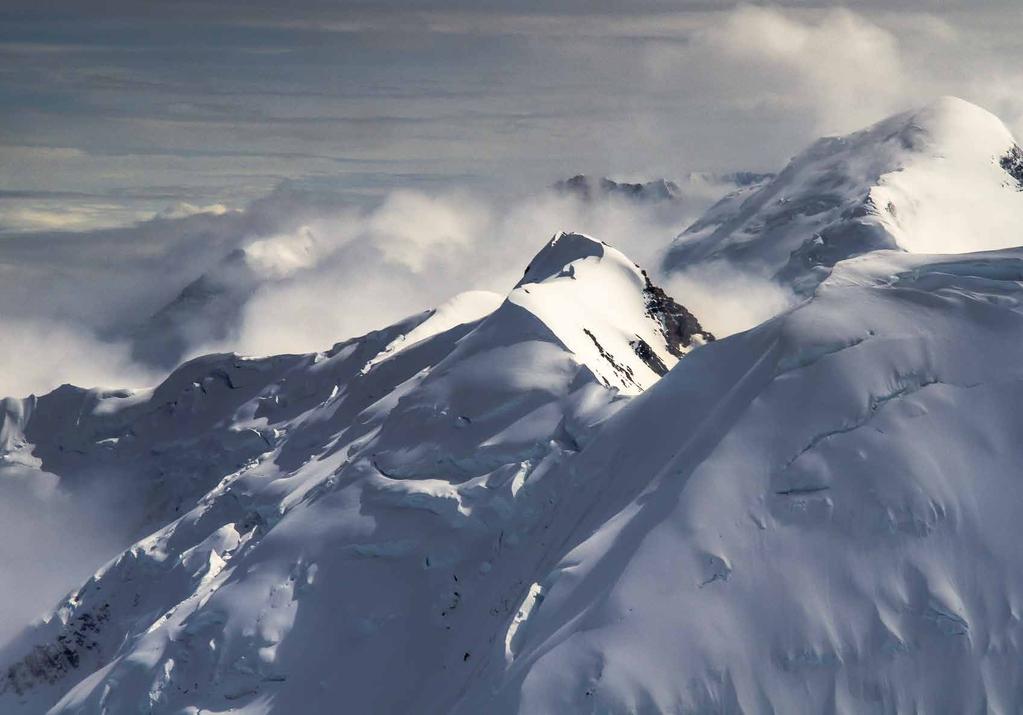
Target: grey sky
x,y
116,110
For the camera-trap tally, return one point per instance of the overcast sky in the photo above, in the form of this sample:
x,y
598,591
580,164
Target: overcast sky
x,y
115,110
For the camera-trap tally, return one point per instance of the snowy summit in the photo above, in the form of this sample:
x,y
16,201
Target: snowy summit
x,y
946,178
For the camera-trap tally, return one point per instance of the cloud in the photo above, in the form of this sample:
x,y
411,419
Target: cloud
x,y
70,299
410,229
837,68
38,355
843,67
788,73
362,270
52,541
727,300
183,209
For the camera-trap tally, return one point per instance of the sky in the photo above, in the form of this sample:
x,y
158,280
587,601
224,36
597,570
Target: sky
x,y
332,166
117,110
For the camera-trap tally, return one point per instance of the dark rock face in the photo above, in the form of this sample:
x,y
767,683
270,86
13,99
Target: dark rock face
x,y
589,189
647,355
624,371
1013,165
678,325
51,662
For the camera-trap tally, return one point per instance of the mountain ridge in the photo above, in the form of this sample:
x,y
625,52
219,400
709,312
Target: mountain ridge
x,y
494,403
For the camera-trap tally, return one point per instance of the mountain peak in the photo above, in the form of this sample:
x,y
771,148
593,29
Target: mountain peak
x,y
605,310
560,252
950,112
944,178
949,126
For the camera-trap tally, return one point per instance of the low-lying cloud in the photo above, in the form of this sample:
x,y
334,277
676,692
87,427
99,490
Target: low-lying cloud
x,y
297,271
53,540
727,300
42,354
294,272
367,269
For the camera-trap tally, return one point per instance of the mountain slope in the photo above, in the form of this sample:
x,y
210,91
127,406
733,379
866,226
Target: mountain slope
x,y
830,526
375,487
942,179
816,515
534,505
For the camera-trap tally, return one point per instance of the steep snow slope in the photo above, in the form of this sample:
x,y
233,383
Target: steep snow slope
x,y
943,179
327,558
831,524
817,515
592,311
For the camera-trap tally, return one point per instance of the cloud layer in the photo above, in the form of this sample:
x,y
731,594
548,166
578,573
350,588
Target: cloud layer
x,y
125,111
296,271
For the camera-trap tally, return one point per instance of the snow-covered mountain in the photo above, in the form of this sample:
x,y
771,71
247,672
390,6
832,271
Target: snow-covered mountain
x,y
943,179
819,515
571,498
393,470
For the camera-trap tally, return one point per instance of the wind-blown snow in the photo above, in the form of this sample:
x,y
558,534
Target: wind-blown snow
x,y
463,308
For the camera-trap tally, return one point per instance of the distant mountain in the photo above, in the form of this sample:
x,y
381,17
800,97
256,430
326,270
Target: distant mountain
x,y
588,188
942,179
209,309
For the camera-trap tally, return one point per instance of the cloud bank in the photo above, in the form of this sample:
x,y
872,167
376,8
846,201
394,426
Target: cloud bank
x,y
296,271
53,540
452,94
